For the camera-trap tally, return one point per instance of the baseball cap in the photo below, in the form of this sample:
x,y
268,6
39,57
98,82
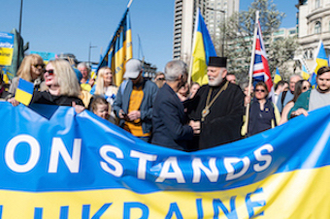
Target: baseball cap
x,y
133,68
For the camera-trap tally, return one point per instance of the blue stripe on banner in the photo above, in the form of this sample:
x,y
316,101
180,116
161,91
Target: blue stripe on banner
x,y
61,153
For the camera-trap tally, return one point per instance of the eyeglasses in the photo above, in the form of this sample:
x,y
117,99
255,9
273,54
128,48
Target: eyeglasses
x,y
259,90
39,65
50,71
160,79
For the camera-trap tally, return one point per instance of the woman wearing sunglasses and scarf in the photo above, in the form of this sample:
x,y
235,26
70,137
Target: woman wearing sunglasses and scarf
x,y
263,114
62,86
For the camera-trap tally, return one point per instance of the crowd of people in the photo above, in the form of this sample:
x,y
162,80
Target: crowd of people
x,y
169,111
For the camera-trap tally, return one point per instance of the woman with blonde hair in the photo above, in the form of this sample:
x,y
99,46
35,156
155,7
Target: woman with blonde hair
x,y
31,69
63,87
104,87
104,84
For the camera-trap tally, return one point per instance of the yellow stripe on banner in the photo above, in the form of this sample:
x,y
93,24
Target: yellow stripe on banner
x,y
23,97
298,194
199,68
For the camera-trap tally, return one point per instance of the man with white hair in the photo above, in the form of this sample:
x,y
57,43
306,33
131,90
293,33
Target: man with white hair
x,y
170,123
219,106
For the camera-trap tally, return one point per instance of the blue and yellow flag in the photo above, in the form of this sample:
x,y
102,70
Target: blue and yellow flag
x,y
203,48
6,75
119,50
24,92
321,58
304,72
277,77
312,79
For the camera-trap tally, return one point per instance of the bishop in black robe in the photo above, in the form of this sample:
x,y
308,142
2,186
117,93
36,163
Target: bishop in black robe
x,y
224,120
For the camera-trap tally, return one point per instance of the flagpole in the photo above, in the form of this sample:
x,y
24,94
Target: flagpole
x,y
193,47
129,3
251,69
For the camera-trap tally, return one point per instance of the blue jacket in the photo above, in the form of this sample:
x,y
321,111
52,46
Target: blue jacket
x,y
122,102
169,121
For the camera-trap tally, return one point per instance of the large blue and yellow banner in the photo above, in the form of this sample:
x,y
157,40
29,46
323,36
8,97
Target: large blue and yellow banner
x,y
55,163
120,49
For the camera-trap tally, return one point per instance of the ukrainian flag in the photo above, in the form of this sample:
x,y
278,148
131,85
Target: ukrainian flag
x,y
119,50
277,77
321,57
321,60
203,48
24,92
6,75
304,73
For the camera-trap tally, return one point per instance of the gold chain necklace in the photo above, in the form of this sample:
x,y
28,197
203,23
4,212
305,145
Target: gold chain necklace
x,y
208,105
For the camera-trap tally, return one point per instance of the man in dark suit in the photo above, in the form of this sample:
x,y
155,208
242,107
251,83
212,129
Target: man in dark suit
x,y
169,120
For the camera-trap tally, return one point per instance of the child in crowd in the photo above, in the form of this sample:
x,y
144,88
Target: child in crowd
x,y
100,107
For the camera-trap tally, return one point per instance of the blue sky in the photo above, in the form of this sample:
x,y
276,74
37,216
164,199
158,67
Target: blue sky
x,y
69,26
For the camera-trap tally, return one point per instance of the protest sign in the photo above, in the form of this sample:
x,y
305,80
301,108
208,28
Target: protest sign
x,y
59,164
6,48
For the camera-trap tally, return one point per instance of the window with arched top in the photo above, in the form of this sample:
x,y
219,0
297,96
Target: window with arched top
x,y
317,27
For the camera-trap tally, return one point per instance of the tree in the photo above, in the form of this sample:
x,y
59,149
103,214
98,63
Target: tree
x,y
239,32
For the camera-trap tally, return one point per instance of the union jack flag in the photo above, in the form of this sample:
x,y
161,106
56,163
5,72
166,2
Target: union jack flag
x,y
260,68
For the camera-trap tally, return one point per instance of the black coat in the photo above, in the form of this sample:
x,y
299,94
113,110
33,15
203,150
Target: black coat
x,y
44,97
223,123
169,120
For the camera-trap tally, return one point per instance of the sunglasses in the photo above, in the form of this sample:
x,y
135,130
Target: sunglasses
x,y
305,88
259,90
39,65
160,79
50,71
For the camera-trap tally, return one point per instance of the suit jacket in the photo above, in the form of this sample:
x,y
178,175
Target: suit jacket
x,y
169,120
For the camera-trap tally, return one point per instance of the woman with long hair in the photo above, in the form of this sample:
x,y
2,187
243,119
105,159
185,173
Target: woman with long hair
x,y
104,87
300,87
31,69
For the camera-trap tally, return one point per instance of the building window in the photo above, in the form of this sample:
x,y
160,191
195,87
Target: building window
x,y
317,27
317,3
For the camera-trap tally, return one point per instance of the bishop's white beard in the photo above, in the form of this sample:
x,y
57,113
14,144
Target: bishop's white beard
x,y
216,81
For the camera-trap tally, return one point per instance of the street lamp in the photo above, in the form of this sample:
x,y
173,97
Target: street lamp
x,y
19,36
224,28
89,55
